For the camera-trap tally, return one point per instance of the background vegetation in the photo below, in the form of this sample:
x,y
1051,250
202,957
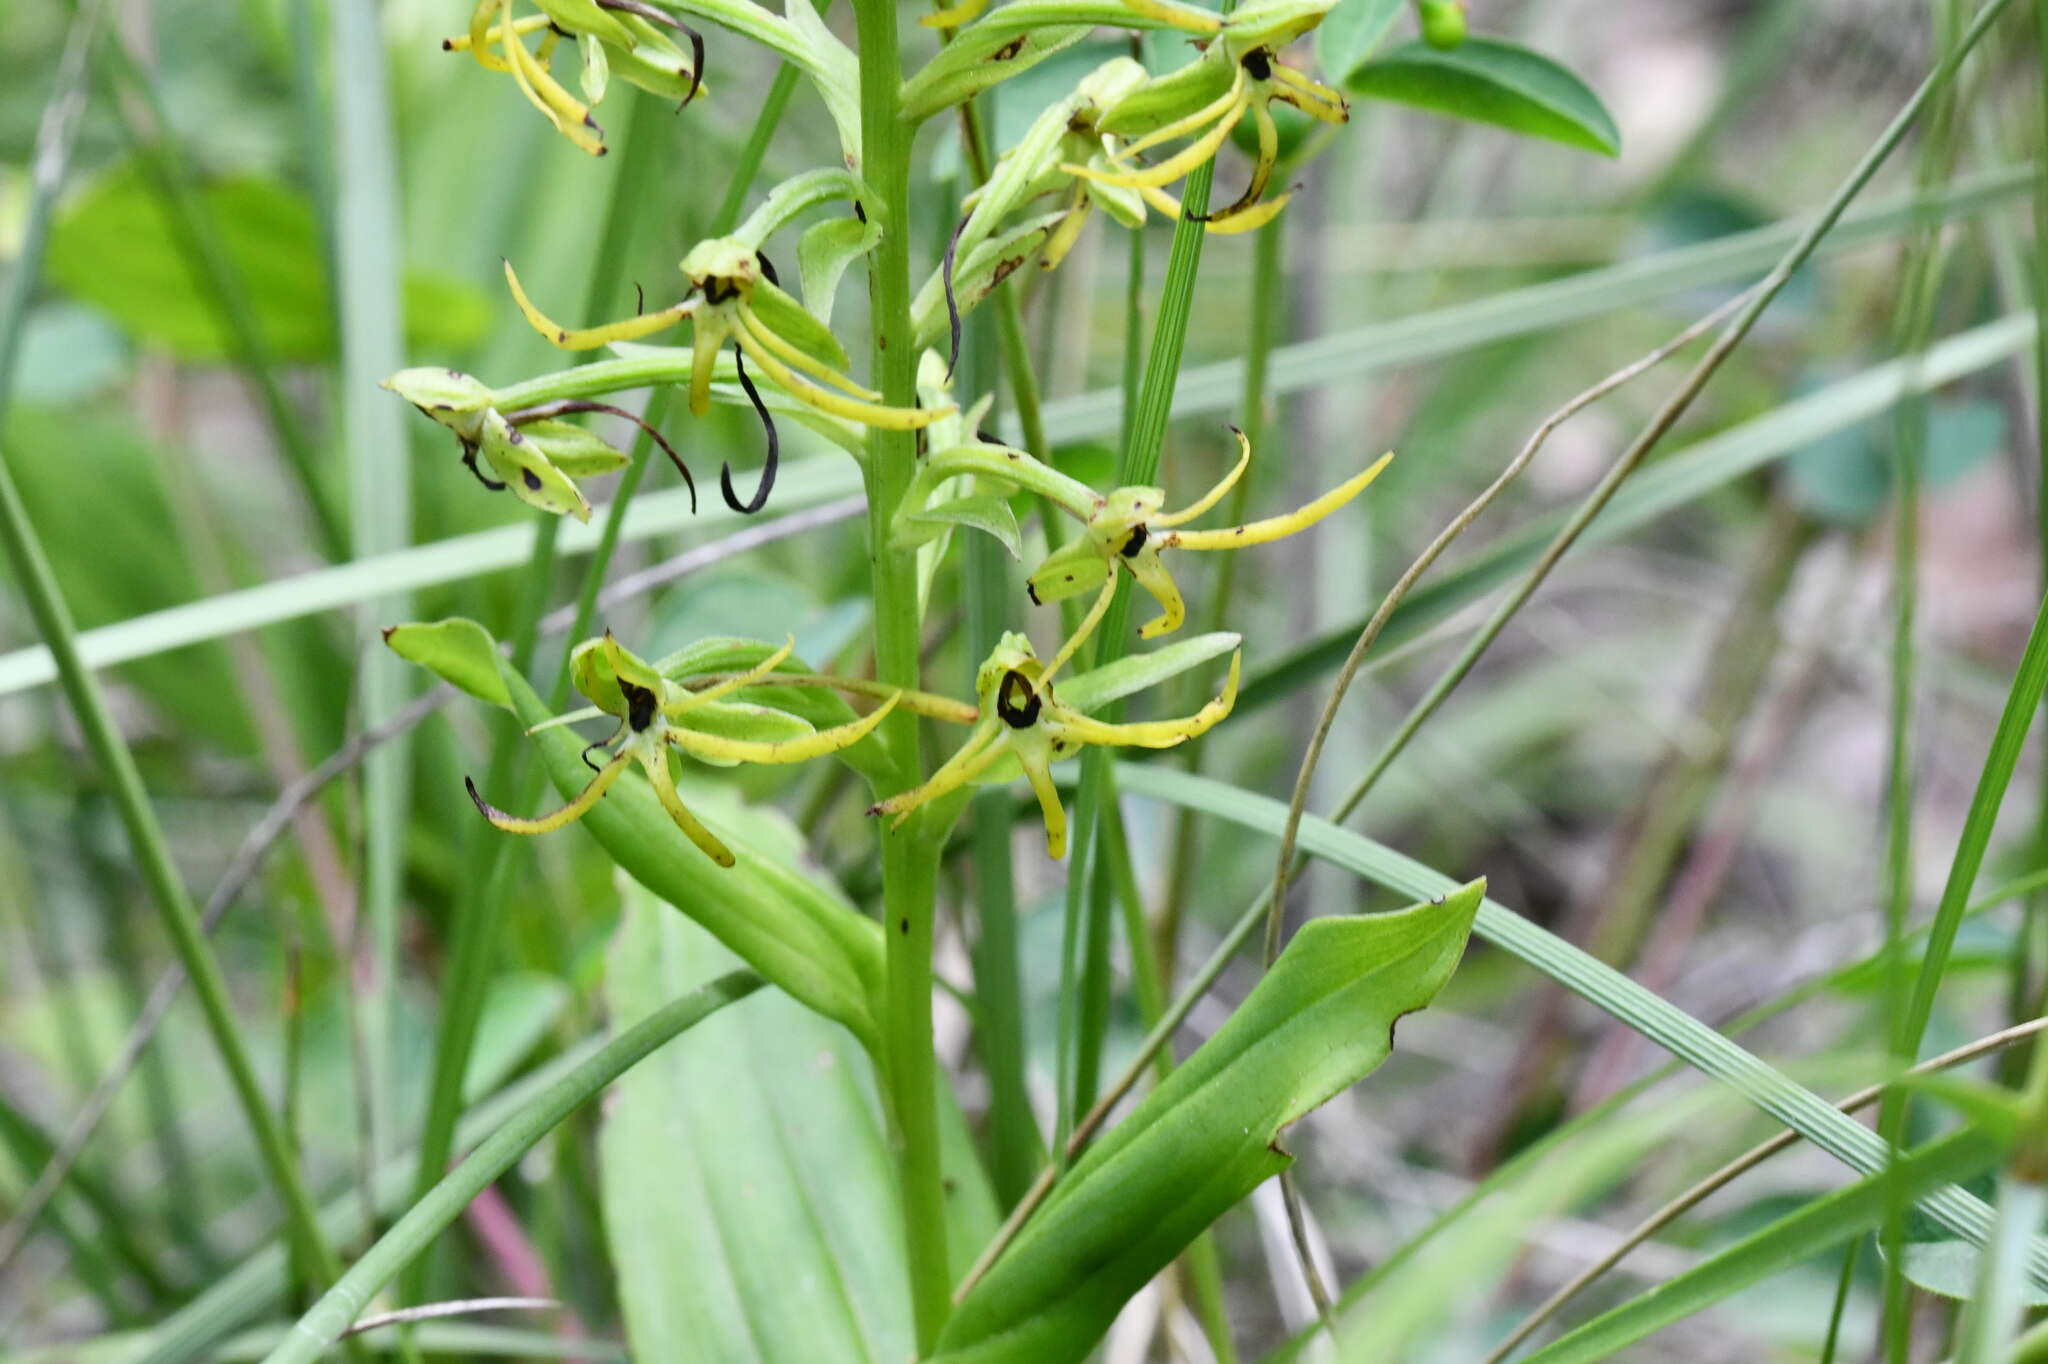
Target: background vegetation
x,y
1732,742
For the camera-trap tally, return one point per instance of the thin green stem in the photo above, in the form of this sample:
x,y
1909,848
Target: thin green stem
x,y
910,854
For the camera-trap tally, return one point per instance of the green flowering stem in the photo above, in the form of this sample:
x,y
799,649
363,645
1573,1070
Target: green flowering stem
x,y
909,855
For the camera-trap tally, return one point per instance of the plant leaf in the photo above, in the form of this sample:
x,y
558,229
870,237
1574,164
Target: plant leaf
x,y
748,1190
1488,80
457,651
1952,1269
1135,672
1319,1021
989,513
114,248
1644,1011
1353,31
824,252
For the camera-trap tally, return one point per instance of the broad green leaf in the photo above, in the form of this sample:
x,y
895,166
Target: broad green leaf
x,y
1488,80
113,247
748,1189
988,513
1353,31
1318,1022
1952,1269
1819,1226
798,934
457,651
1135,672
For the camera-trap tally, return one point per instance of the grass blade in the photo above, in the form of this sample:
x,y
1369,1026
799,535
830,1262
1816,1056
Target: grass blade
x,y
338,1308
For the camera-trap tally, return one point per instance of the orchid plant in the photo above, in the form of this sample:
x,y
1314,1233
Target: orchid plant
x,y
1132,128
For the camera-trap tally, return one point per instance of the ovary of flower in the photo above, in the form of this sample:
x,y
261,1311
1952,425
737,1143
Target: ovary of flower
x,y
727,290
645,703
1126,528
1022,717
1257,78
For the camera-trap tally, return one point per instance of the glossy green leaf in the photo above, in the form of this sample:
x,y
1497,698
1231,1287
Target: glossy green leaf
x,y
791,929
1353,31
457,651
1816,1227
1319,1021
1135,672
114,248
987,513
1492,81
749,1194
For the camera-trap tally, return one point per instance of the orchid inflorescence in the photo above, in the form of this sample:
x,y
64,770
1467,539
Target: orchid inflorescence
x,y
754,342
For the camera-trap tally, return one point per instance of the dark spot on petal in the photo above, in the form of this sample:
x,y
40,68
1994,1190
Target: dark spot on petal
x,y
1139,533
1008,50
531,478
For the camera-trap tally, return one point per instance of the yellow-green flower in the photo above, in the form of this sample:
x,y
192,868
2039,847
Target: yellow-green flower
x,y
531,450
1024,725
656,714
733,295
615,37
1239,73
1127,527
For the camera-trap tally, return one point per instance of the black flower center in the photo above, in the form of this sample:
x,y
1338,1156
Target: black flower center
x,y
1259,63
1136,541
640,705
1017,701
